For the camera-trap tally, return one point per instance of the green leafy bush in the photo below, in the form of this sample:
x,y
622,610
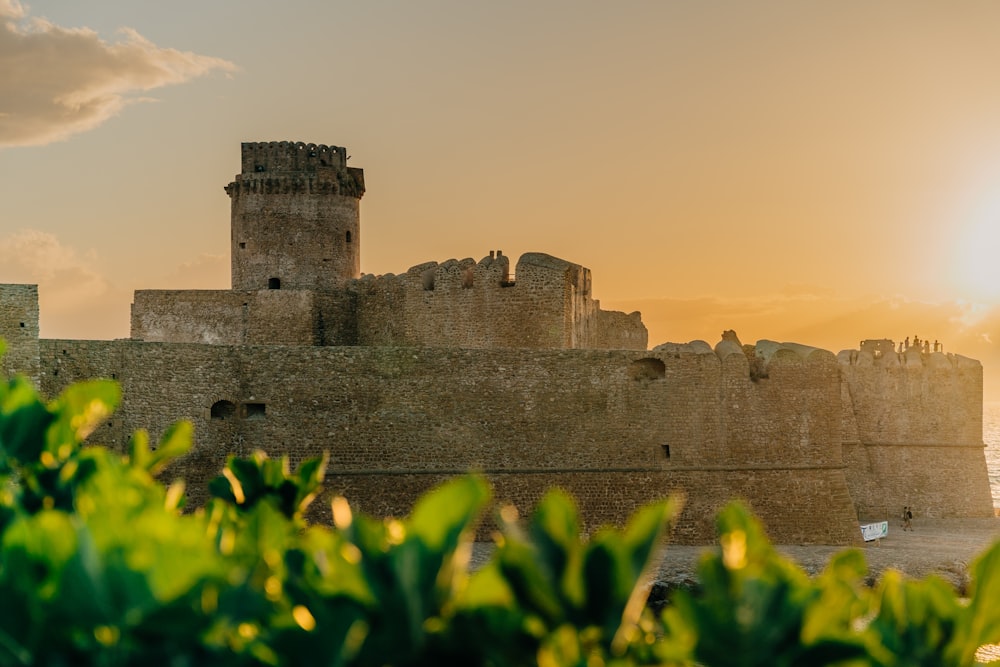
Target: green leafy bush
x,y
99,566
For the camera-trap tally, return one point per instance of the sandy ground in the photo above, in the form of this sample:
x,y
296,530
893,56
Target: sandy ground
x,y
941,546
944,547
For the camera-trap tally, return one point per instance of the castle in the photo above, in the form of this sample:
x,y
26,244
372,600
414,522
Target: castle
x,y
465,365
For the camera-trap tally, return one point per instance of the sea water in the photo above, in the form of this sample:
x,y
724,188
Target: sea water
x,y
991,438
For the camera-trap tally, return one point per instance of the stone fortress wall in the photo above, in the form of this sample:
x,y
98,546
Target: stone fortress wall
x,y
19,330
408,379
913,432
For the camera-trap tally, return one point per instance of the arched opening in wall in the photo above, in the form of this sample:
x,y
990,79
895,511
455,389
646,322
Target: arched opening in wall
x,y
274,283
223,410
427,278
647,369
348,236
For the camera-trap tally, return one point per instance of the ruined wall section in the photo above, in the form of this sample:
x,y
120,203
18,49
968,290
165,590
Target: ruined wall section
x,y
19,329
619,428
295,217
918,419
615,330
468,304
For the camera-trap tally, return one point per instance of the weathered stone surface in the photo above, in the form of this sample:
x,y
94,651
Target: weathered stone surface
x,y
19,329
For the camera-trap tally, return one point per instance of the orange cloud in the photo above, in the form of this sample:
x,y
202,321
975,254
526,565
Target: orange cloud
x,y
75,299
61,81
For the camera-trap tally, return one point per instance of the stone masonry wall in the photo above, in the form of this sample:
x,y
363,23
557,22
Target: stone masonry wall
x,y
912,431
615,330
64,362
465,304
226,317
257,317
618,427
19,329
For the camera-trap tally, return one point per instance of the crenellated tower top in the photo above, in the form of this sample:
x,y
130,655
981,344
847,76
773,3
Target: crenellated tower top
x,y
281,166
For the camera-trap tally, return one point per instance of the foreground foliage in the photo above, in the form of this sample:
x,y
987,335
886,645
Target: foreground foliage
x,y
99,566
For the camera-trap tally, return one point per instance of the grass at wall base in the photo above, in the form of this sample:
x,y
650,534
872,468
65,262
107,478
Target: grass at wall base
x,y
99,566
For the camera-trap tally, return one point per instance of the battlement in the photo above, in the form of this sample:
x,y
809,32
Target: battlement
x,y
911,358
470,304
291,156
751,361
285,167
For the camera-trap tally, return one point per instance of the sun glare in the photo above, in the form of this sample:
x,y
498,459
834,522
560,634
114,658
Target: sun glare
x,y
977,257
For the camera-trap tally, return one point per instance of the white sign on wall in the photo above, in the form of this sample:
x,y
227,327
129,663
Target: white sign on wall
x,y
874,531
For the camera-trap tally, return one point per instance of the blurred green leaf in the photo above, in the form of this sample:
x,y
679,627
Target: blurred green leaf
x,y
80,409
24,420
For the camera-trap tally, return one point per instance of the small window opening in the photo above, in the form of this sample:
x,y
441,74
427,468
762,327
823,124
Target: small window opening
x,y
22,325
254,410
647,369
223,410
274,283
348,236
243,245
666,451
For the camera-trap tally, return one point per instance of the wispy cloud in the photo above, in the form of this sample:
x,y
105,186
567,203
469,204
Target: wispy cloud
x,y
75,298
31,255
56,81
206,271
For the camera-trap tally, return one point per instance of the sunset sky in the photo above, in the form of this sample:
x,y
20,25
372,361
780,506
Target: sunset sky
x,y
818,172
